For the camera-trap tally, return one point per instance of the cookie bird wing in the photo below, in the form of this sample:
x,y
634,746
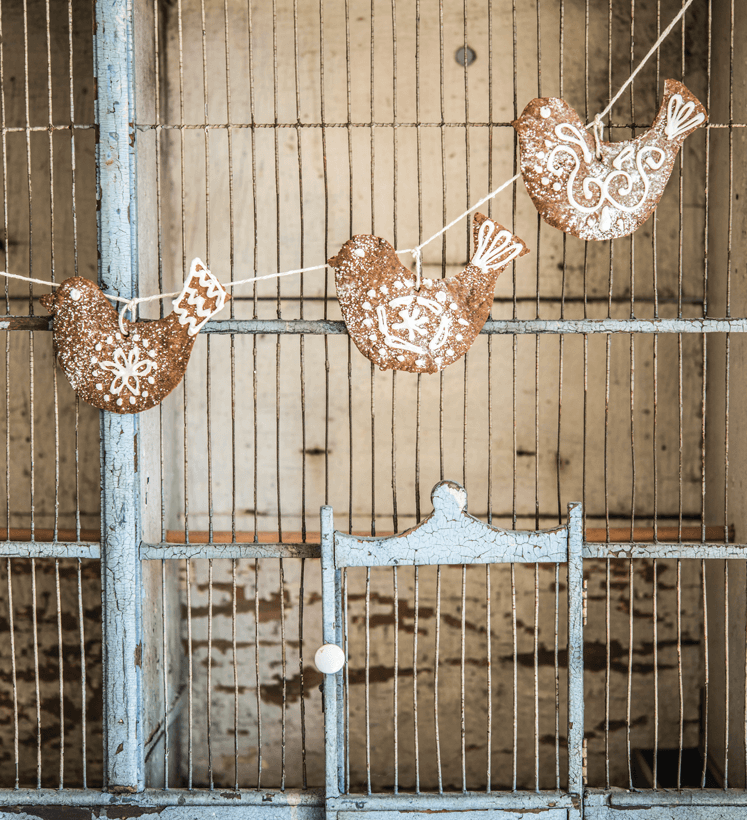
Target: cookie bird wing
x,y
612,194
401,327
135,370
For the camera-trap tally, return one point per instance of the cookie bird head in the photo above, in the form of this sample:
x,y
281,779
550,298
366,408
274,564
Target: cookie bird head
x,y
75,296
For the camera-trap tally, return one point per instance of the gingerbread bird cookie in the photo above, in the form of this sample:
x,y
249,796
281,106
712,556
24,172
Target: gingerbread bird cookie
x,y
135,370
605,196
400,327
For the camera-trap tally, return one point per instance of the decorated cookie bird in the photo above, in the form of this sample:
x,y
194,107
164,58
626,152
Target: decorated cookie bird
x,y
401,327
130,371
607,190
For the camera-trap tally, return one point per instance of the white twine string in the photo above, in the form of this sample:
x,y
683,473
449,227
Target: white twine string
x,y
598,130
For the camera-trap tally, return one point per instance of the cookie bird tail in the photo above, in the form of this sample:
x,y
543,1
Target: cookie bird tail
x,y
680,113
202,297
495,248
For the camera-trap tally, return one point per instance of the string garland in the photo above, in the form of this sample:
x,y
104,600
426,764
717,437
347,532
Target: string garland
x,y
130,304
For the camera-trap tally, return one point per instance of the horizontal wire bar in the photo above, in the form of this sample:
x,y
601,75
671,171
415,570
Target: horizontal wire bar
x,y
327,327
22,129
495,326
659,549
156,797
201,126
462,801
170,551
150,552
46,549
646,798
427,802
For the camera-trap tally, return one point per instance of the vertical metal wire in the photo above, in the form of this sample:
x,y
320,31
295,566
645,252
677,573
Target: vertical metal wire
x,y
561,350
302,697
347,677
372,148
514,356
83,704
468,196
488,612
706,672
489,682
628,701
730,221
256,673
535,654
395,718
209,693
706,232
435,682
232,353
208,407
61,682
190,676
515,682
680,690
607,661
13,672
395,179
655,619
183,193
255,448
278,351
368,679
165,678
416,628
323,118
284,672
235,659
34,616
442,111
462,659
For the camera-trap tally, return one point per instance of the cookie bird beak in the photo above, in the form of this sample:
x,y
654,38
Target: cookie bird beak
x,y
48,301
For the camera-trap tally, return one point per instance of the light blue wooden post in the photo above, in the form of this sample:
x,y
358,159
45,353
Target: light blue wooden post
x,y
120,504
332,634
575,651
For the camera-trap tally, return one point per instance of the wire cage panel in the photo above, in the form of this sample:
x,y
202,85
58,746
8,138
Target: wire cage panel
x,y
50,480
404,720
244,706
50,657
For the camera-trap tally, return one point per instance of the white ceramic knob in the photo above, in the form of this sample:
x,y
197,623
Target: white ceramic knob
x,y
329,659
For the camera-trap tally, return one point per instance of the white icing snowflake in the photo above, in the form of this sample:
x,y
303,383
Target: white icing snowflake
x,y
128,369
412,323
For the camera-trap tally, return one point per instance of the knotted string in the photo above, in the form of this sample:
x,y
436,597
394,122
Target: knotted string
x,y
418,257
598,131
